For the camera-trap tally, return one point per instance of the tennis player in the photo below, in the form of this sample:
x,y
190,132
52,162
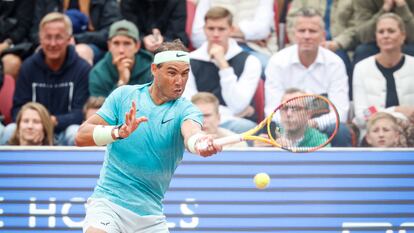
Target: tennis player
x,y
145,128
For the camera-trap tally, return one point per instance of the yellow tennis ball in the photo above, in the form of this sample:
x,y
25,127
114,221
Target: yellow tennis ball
x,y
261,180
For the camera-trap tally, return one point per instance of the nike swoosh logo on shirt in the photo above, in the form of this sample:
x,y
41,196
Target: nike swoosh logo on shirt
x,y
165,121
179,55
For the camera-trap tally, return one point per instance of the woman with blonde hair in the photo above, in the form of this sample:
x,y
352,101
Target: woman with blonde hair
x,y
384,82
33,126
385,130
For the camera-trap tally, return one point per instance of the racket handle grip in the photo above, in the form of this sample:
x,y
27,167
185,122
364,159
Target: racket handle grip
x,y
222,141
229,140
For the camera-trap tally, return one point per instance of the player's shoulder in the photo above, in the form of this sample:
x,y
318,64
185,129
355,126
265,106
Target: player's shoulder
x,y
127,92
182,102
184,107
126,89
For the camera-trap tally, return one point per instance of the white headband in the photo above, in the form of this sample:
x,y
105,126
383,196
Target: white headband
x,y
173,55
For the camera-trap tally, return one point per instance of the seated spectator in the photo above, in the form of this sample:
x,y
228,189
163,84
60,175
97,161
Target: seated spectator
x,y
92,105
253,25
33,126
294,126
1,113
157,20
15,22
1,127
339,26
384,130
7,86
90,23
124,63
209,107
312,68
384,81
366,16
56,77
221,67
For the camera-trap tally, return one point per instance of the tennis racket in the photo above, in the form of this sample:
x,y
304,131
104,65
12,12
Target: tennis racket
x,y
294,125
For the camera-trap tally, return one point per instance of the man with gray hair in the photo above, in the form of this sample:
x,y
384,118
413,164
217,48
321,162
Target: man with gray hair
x,y
308,66
56,77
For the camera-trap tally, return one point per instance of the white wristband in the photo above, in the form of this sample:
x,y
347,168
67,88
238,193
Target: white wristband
x,y
102,135
191,143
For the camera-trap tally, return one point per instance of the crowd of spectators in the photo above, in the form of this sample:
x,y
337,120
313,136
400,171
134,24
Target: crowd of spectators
x,y
66,56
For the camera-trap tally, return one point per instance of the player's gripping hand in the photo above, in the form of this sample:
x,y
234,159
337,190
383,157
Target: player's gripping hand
x,y
205,146
131,122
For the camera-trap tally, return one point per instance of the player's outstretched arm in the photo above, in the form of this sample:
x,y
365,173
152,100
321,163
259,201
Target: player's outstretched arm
x,y
194,136
96,132
84,137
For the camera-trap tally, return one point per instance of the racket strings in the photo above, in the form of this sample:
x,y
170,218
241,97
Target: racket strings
x,y
301,123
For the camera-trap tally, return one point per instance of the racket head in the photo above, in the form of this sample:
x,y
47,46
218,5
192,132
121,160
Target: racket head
x,y
291,126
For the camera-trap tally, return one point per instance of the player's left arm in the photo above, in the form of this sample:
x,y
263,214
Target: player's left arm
x,y
193,135
84,136
96,131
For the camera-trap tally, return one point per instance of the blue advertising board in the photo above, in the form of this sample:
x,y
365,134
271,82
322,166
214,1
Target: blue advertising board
x,y
45,190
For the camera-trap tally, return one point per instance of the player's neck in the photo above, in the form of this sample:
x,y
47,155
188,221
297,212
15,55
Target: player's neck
x,y
156,95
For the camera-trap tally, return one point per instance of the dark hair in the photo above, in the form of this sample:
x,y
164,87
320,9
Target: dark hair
x,y
171,45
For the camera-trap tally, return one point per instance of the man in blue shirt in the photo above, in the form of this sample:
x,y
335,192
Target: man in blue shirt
x,y
146,128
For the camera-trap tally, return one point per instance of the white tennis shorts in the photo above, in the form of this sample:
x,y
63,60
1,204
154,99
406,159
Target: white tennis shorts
x,y
112,218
